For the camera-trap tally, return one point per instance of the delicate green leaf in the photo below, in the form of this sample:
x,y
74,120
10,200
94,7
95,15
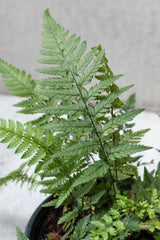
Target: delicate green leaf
x,y
30,151
23,146
86,60
69,216
20,235
96,170
15,142
100,87
41,153
106,103
98,224
80,228
107,219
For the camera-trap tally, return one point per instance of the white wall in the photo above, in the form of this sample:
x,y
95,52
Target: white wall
x,y
129,30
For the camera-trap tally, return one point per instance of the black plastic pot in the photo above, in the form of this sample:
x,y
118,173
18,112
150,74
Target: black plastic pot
x,y
34,224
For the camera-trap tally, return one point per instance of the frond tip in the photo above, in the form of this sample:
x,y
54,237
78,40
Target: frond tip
x,y
20,235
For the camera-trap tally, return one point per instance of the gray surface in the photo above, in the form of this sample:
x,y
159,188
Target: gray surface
x,y
17,204
129,30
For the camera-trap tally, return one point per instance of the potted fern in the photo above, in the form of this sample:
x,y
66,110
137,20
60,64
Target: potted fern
x,y
81,146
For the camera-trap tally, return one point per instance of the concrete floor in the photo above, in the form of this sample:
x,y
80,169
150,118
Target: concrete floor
x,y
17,204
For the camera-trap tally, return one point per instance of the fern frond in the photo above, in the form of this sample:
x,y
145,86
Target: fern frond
x,y
74,124
97,89
84,189
91,70
20,235
40,154
85,61
28,140
20,175
80,149
56,82
95,198
16,80
126,149
69,216
64,109
101,107
130,103
127,171
93,171
67,190
69,126
81,228
120,120
133,137
64,94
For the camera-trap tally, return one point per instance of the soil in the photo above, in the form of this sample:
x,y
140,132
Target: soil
x,y
50,229
47,227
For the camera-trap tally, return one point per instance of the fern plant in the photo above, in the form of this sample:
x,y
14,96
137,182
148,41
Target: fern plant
x,y
81,146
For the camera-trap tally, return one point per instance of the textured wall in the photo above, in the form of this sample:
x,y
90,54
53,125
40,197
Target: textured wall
x,y
129,30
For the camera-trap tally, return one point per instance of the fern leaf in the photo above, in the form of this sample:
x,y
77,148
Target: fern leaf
x,y
78,53
20,175
69,50
87,76
20,235
56,82
65,94
26,103
51,60
133,137
84,190
121,119
20,128
8,137
85,61
63,109
82,148
98,169
30,151
29,130
126,149
41,153
104,104
57,71
38,133
28,140
54,183
128,170
63,196
130,103
69,126
42,120
69,216
95,198
97,89
16,80
11,124
23,146
15,142
148,177
81,228
48,139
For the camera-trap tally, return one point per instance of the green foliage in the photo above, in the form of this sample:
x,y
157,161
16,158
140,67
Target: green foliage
x,y
20,235
81,146
128,216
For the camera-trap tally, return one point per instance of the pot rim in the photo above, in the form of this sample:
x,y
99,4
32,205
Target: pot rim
x,y
34,219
